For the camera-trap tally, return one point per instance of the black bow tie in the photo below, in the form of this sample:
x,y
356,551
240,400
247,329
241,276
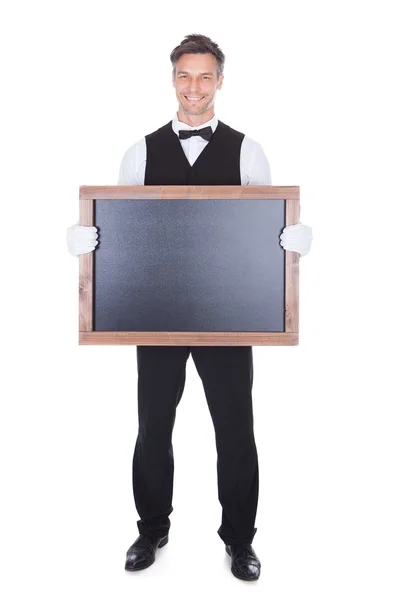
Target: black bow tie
x,y
206,133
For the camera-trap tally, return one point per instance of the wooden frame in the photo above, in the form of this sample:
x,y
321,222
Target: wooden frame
x,y
89,194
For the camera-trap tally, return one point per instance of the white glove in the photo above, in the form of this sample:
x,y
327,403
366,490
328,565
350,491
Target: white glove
x,y
81,239
297,238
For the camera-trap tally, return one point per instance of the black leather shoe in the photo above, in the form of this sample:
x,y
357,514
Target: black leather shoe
x,y
245,563
142,553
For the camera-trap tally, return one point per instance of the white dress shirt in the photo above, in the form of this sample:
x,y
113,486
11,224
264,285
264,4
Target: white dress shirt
x,y
254,167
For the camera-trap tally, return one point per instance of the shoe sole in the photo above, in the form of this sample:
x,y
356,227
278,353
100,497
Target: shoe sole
x,y
160,545
239,576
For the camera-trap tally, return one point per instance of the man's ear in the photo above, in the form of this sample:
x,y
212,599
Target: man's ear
x,y
219,86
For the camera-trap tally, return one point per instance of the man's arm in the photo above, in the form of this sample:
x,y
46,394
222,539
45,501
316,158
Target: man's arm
x,y
133,166
255,170
82,239
254,166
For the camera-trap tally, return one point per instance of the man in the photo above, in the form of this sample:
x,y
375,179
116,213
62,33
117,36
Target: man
x,y
195,148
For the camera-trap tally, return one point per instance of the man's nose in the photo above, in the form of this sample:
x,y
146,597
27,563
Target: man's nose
x,y
194,87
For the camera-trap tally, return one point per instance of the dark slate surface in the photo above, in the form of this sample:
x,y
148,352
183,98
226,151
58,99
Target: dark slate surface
x,y
189,265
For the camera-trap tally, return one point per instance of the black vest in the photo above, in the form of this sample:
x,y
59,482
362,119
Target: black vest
x,y
217,164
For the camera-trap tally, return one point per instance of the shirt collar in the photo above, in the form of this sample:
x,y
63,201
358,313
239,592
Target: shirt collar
x,y
176,124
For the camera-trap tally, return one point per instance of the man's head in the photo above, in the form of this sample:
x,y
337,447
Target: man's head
x,y
198,65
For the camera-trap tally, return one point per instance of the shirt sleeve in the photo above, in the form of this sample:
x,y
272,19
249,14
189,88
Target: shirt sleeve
x,y
254,166
133,165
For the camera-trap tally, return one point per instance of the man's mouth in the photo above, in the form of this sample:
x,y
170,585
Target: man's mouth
x,y
193,99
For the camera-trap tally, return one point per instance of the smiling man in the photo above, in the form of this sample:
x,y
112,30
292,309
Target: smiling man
x,y
195,148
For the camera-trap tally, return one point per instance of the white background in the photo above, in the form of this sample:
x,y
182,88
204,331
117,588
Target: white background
x,y
82,81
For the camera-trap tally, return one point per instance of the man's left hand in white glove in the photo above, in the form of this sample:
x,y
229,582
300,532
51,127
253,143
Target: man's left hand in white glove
x,y
297,238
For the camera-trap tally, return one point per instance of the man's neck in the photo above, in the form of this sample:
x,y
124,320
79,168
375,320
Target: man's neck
x,y
195,120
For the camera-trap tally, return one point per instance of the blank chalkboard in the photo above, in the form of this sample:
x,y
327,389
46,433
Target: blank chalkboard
x,y
189,265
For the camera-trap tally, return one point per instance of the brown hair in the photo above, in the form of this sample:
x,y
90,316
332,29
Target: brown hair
x,y
198,44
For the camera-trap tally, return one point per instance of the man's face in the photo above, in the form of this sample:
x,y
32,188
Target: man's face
x,y
196,77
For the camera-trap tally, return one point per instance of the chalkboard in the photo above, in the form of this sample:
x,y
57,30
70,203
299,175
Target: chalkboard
x,y
189,265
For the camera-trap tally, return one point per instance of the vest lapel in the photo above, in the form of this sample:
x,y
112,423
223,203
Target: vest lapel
x,y
205,152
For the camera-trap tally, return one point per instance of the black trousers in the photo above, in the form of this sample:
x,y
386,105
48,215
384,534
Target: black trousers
x,y
227,376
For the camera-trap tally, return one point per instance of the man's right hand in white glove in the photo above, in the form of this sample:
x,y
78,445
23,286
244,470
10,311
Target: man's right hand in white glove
x,y
81,239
